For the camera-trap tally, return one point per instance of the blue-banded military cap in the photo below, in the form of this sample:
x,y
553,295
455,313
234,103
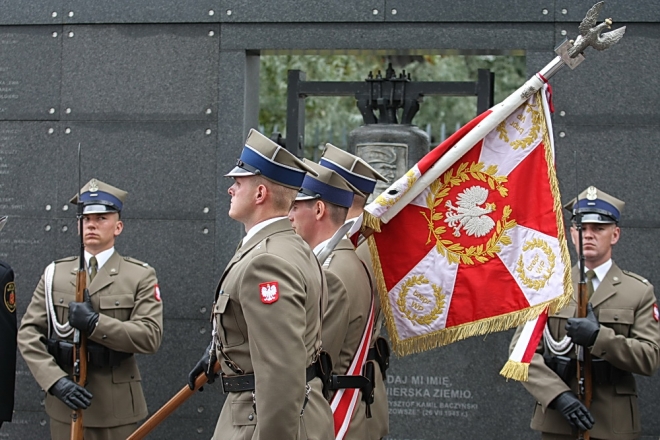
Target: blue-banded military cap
x,y
328,186
352,168
263,157
596,206
98,197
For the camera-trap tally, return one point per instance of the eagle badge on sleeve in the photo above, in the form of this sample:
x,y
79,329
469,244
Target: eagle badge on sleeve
x,y
269,291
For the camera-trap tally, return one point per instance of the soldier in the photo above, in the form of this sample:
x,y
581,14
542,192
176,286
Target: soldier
x,y
361,175
267,309
621,331
122,315
318,213
8,338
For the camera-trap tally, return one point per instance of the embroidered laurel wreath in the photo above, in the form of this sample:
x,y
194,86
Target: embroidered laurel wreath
x,y
422,319
455,252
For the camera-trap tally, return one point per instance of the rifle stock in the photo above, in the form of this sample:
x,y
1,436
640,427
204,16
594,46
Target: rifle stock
x,y
583,365
79,338
166,410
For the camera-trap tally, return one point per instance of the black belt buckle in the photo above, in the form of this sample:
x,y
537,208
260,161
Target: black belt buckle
x,y
237,384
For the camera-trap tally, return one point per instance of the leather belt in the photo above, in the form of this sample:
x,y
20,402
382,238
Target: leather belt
x,y
346,381
245,382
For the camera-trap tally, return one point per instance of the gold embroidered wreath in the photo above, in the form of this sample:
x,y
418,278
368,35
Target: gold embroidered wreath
x,y
437,293
455,252
538,284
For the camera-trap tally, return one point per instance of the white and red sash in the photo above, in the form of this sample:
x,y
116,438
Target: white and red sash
x,y
345,399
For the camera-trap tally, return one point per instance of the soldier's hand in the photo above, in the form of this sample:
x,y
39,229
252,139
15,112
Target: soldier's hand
x,y
82,315
584,331
573,410
202,366
72,394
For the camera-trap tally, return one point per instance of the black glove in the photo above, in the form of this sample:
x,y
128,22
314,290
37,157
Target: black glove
x,y
573,410
72,394
202,366
583,331
82,315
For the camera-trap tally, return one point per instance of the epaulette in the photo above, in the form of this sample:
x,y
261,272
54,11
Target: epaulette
x,y
637,277
138,262
62,260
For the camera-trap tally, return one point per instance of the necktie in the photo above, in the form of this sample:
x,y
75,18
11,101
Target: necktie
x,y
590,285
93,266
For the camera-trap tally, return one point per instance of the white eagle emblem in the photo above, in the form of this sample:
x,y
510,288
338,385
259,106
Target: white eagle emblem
x,y
469,215
269,292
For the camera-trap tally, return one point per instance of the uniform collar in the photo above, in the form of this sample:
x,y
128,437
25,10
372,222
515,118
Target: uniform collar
x,y
101,257
258,227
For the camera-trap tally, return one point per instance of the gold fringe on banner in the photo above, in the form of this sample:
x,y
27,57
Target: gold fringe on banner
x,y
447,336
369,221
516,370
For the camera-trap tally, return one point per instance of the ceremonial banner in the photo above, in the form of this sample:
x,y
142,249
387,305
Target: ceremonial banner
x,y
479,246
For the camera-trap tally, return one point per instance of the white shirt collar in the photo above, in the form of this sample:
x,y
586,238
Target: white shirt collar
x,y
258,227
601,272
101,257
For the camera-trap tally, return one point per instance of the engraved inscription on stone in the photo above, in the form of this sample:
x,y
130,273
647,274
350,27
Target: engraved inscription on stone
x,y
428,396
389,159
9,83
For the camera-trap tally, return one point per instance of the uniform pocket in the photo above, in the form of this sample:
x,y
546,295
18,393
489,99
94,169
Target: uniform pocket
x,y
61,302
242,414
619,320
117,306
224,314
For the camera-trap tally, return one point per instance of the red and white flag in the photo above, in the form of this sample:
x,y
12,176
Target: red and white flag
x,y
471,240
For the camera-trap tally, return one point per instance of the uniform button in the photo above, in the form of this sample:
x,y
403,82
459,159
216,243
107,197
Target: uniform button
x,y
616,317
251,417
132,376
104,336
116,303
61,300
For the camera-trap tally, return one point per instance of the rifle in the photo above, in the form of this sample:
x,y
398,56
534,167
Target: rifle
x,y
79,339
177,400
583,356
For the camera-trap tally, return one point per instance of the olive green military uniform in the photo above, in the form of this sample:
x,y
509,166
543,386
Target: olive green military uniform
x,y
629,340
126,295
344,322
378,425
267,317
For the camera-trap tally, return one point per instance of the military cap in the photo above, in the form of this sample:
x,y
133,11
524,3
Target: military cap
x,y
352,168
263,157
596,206
98,197
328,186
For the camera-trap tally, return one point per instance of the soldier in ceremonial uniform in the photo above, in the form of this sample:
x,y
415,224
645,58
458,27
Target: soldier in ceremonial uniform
x,y
267,309
361,175
122,315
318,213
7,338
621,331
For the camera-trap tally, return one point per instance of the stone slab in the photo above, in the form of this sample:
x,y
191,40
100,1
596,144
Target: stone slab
x,y
620,12
613,87
450,38
30,71
618,159
21,12
478,10
155,72
28,151
455,392
288,11
144,11
26,425
168,168
166,372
